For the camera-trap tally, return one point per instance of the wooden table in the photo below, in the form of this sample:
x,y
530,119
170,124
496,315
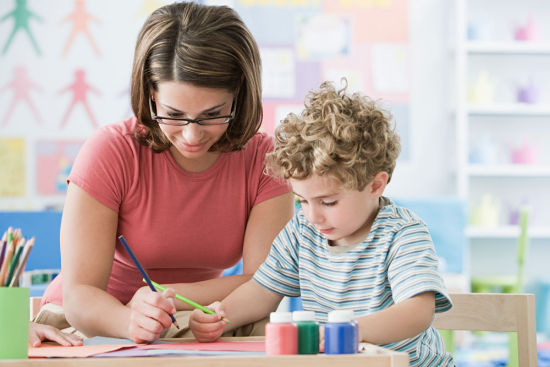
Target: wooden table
x,y
374,356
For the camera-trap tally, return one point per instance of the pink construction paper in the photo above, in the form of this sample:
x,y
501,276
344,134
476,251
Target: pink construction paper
x,y
252,346
82,351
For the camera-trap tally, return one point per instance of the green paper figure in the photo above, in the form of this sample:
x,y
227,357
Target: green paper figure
x,y
21,16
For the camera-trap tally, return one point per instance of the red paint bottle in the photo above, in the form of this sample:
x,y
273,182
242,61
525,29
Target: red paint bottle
x,y
281,335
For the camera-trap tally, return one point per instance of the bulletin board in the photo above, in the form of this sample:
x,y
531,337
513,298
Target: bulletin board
x,y
66,68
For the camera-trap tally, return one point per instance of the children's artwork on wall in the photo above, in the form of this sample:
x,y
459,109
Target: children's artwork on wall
x,y
12,167
21,17
54,159
278,72
20,87
67,72
79,18
323,36
79,90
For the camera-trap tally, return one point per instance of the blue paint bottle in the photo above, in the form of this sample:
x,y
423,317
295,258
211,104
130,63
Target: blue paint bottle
x,y
341,333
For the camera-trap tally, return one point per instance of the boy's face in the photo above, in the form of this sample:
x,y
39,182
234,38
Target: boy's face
x,y
343,216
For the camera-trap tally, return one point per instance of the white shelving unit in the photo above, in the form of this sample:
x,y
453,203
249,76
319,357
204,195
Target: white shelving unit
x,y
513,184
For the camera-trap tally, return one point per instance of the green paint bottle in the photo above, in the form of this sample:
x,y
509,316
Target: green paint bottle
x,y
308,332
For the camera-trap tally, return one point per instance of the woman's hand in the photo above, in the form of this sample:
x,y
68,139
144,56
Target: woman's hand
x,y
150,314
40,332
205,327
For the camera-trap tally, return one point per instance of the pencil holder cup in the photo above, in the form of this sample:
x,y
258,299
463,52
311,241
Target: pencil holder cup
x,y
14,318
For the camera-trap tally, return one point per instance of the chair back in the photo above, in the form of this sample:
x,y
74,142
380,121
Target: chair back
x,y
495,312
523,242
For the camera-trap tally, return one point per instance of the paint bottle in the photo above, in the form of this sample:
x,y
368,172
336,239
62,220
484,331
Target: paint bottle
x,y
281,335
308,332
341,333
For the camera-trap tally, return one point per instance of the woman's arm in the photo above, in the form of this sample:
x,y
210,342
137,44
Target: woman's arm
x,y
265,222
88,235
398,322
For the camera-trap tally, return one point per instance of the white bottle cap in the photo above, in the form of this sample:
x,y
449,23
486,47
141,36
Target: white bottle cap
x,y
279,317
340,316
303,316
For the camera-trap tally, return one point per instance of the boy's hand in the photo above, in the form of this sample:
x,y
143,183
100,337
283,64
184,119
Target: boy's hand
x,y
150,314
207,328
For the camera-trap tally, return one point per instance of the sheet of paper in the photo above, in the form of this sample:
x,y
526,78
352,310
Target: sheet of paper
x,y
140,352
252,346
104,340
49,350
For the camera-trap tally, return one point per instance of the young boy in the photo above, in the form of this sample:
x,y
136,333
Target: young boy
x,y
349,247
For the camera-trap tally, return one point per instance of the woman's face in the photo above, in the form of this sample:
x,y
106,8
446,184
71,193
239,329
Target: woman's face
x,y
190,143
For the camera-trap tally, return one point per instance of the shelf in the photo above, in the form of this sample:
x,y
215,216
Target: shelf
x,y
511,232
509,170
510,48
509,109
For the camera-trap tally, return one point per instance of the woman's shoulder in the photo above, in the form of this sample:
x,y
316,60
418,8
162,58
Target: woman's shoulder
x,y
121,130
260,142
118,135
253,153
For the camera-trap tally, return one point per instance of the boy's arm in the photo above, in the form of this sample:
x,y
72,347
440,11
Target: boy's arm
x,y
248,303
398,322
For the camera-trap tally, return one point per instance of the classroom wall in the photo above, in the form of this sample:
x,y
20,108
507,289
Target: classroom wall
x,y
427,168
37,148
431,171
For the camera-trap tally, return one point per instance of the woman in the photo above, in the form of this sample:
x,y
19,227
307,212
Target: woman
x,y
183,181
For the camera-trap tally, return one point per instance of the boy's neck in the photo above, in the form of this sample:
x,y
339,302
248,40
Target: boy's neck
x,y
362,232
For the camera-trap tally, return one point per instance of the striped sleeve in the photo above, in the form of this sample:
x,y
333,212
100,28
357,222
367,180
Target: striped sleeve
x,y
413,266
279,271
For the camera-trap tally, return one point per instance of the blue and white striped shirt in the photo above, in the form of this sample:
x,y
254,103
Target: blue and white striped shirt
x,y
395,262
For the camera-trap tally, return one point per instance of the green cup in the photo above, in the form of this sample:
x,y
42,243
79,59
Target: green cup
x,y
14,323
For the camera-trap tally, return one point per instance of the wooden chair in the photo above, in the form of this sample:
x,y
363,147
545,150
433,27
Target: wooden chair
x,y
495,312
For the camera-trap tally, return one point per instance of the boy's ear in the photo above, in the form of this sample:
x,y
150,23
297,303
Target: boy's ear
x,y
379,183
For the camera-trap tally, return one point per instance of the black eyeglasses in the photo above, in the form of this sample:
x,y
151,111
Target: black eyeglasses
x,y
203,121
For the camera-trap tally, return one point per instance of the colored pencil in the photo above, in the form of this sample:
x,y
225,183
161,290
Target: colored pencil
x,y
188,301
14,262
21,267
142,271
4,245
7,259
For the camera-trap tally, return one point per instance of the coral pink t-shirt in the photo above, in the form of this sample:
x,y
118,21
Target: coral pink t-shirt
x,y
183,227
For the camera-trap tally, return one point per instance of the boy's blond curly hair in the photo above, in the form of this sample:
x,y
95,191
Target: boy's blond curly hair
x,y
345,136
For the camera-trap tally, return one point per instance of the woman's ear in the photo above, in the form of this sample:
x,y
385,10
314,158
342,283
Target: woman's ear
x,y
379,183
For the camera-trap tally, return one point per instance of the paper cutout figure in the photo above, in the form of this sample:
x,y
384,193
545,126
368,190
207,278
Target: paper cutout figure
x,y
80,89
21,86
21,19
80,18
